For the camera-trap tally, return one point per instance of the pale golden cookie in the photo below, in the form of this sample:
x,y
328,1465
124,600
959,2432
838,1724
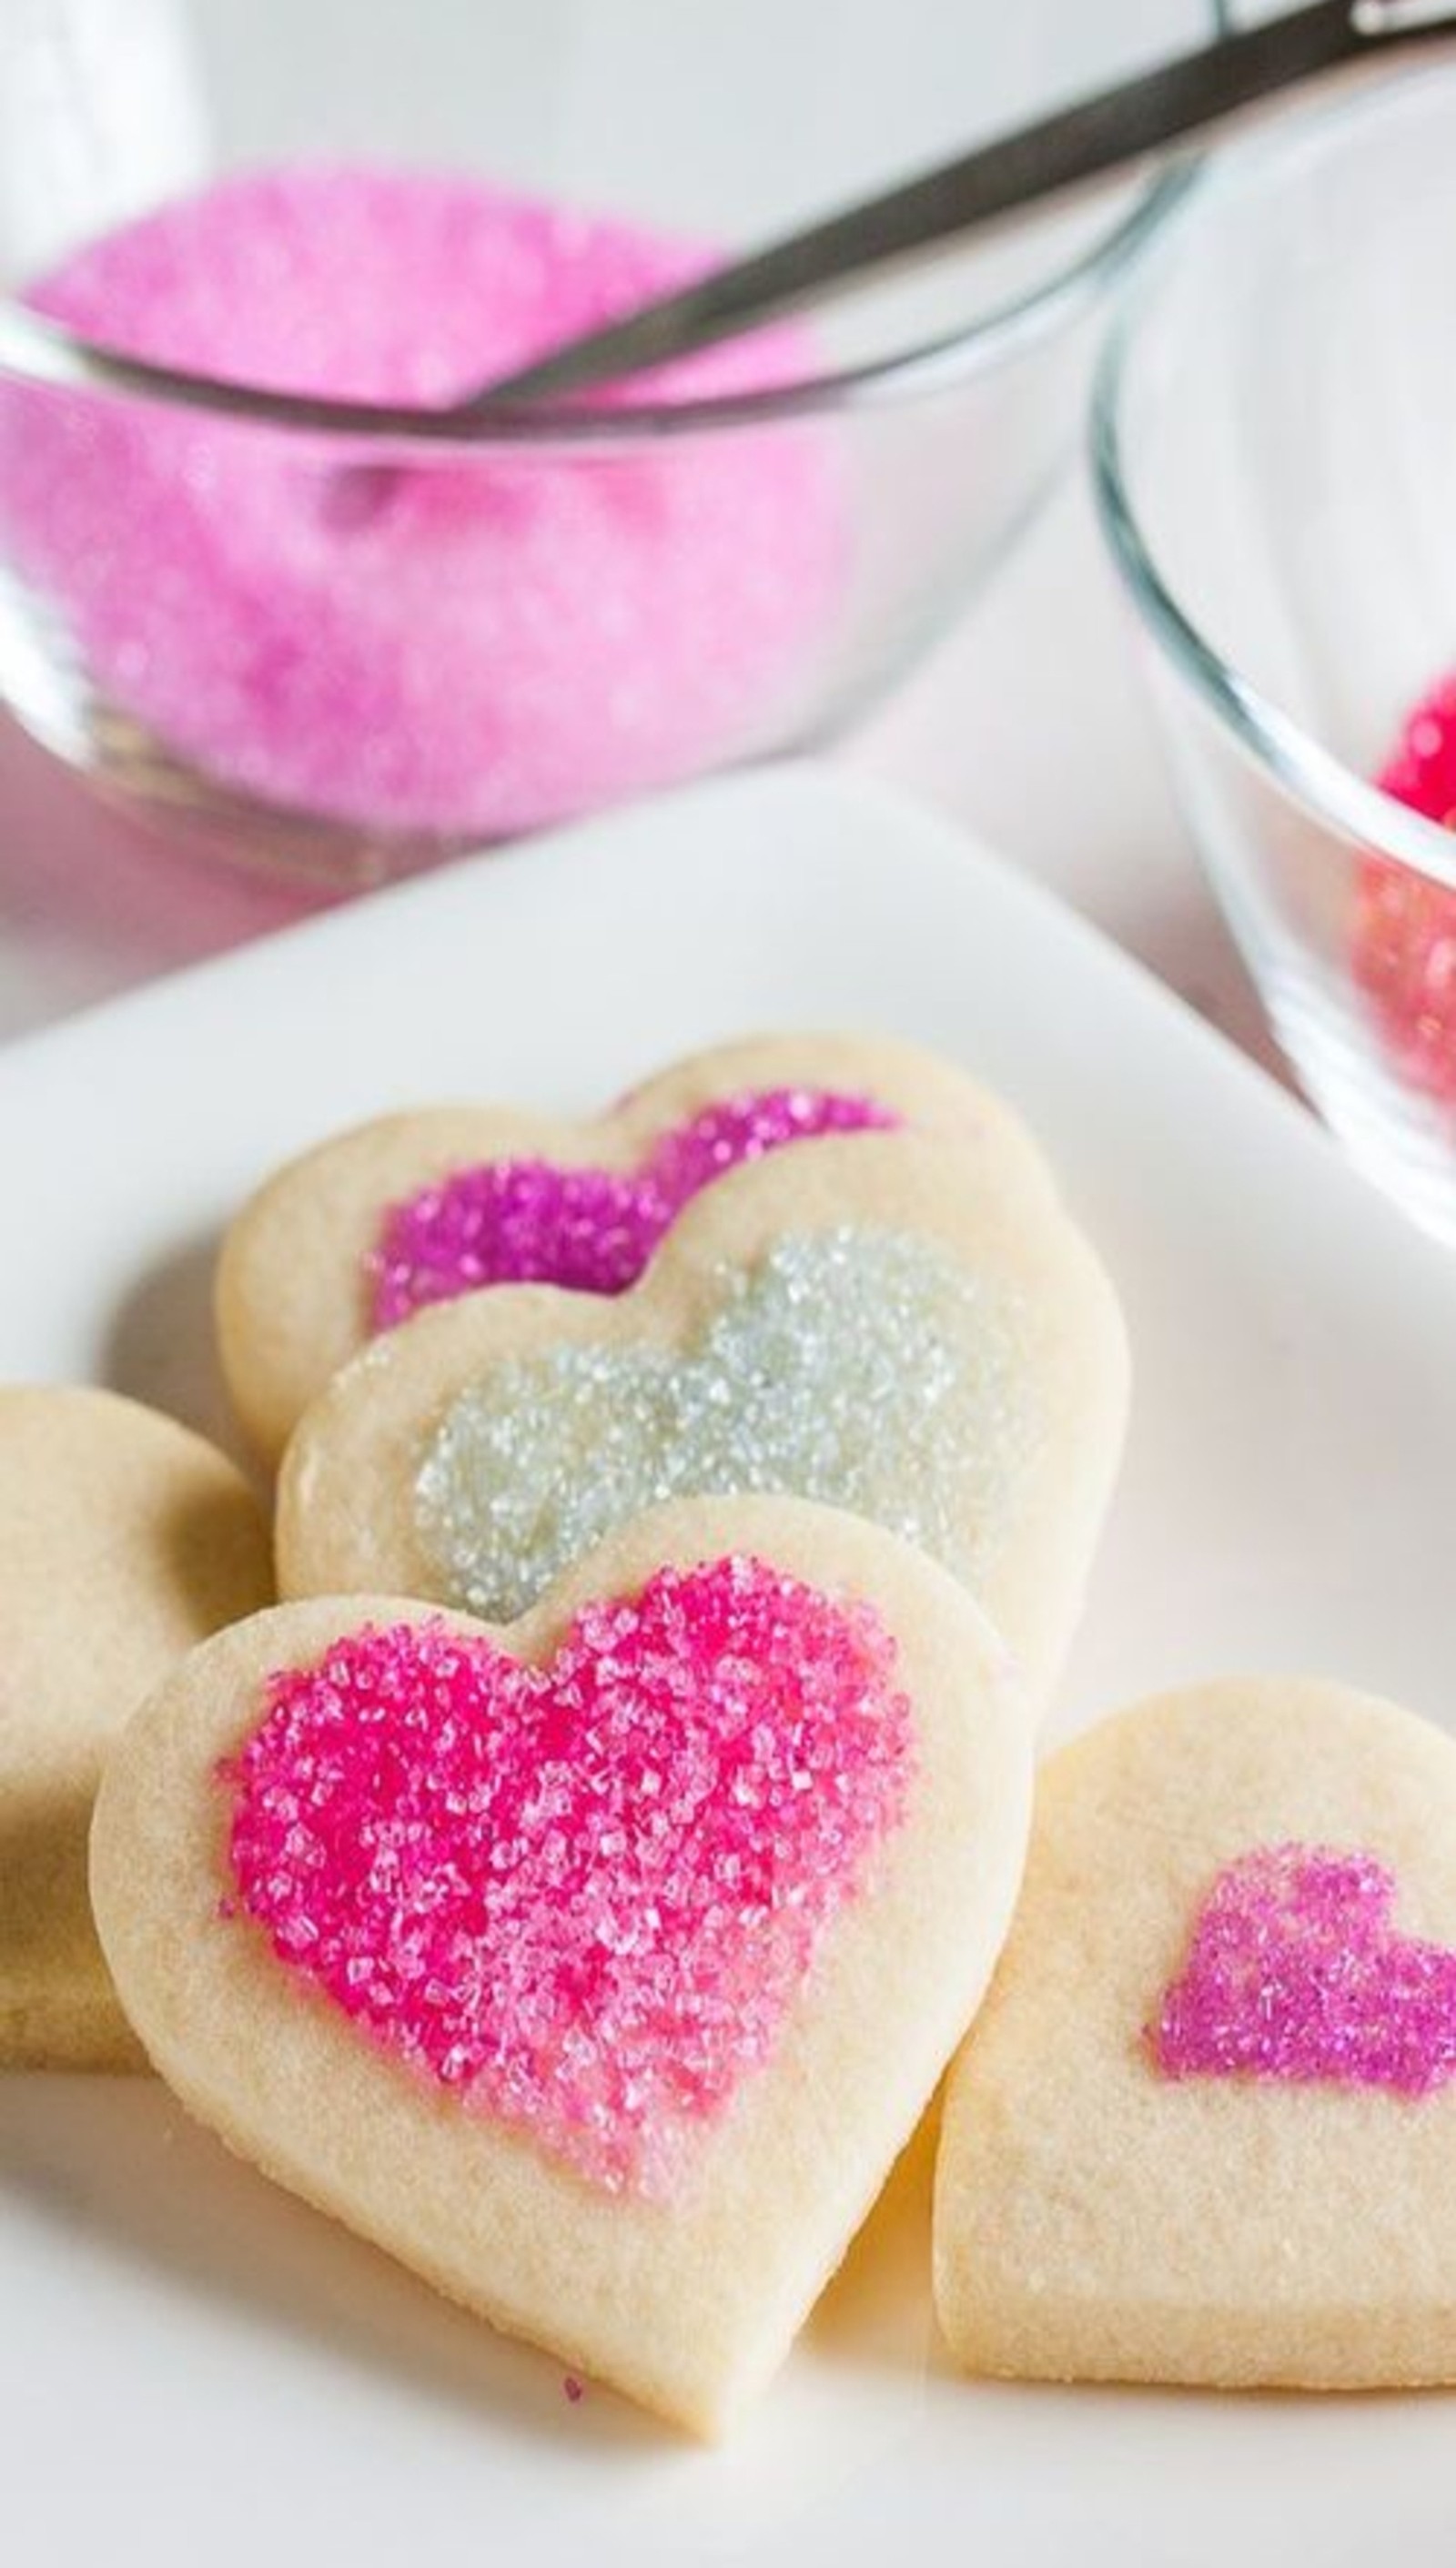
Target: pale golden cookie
x,y
1204,2130
873,1323
756,1827
294,1295
124,1539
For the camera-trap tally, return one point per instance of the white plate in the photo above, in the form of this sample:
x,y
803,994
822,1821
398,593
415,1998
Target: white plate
x,y
194,2368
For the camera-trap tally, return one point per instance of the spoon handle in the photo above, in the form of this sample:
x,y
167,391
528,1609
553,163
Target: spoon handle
x,y
1062,151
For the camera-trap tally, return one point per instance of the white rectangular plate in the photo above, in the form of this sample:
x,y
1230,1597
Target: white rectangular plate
x,y
194,2364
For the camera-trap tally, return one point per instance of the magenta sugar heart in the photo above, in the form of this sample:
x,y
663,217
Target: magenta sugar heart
x,y
585,1895
1294,1970
517,1221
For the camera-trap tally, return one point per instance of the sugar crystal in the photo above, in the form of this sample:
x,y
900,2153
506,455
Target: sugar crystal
x,y
1295,1971
484,1887
864,1368
525,1221
513,634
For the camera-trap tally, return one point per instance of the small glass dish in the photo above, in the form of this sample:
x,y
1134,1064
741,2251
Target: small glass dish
x,y
188,613
1275,452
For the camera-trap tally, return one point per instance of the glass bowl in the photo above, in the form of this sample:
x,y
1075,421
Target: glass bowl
x,y
1275,469
348,635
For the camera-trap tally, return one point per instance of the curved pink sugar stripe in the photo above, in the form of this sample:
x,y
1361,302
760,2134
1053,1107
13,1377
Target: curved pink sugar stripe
x,y
516,1221
1295,1971
519,1221
583,1895
724,1134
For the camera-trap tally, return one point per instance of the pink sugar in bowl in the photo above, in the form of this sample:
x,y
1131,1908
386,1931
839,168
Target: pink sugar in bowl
x,y
1275,463
251,254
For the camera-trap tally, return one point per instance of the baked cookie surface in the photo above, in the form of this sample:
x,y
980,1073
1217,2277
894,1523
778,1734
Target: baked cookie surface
x,y
124,1539
1204,2129
877,1324
598,1969
415,1209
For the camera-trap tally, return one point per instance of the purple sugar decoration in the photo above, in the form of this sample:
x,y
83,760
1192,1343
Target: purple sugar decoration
x,y
523,1221
507,639
734,1128
1295,1971
584,1895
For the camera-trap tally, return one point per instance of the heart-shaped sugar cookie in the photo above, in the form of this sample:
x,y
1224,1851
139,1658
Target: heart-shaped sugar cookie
x,y
877,1324
597,1968
124,1539
420,1208
1204,2127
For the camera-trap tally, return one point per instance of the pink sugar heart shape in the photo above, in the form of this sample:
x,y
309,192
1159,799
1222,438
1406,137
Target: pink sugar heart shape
x,y
1253,2189
591,1230
583,1893
1295,1971
599,1966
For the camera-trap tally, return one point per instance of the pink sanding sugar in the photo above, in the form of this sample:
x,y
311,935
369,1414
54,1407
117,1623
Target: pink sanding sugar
x,y
586,1894
497,644
1406,925
1297,1972
519,1221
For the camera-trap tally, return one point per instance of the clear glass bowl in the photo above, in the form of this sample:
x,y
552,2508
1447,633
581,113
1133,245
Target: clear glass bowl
x,y
189,613
1274,451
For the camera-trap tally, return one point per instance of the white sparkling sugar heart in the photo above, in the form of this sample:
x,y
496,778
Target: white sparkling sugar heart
x,y
863,1367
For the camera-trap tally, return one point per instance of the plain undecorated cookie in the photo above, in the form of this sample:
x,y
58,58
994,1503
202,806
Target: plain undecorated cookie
x,y
873,1323
294,1297
685,2290
1204,2131
124,1539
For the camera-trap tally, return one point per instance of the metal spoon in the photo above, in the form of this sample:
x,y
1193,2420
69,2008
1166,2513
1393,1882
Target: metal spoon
x,y
1060,153
1072,149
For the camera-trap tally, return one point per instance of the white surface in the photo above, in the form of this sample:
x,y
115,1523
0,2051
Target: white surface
x,y
190,2362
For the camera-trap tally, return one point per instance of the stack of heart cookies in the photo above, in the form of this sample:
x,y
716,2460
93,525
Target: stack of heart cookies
x,y
581,1882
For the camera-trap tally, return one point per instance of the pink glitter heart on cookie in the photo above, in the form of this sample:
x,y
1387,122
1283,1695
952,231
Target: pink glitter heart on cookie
x,y
586,1894
1297,1972
592,1230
